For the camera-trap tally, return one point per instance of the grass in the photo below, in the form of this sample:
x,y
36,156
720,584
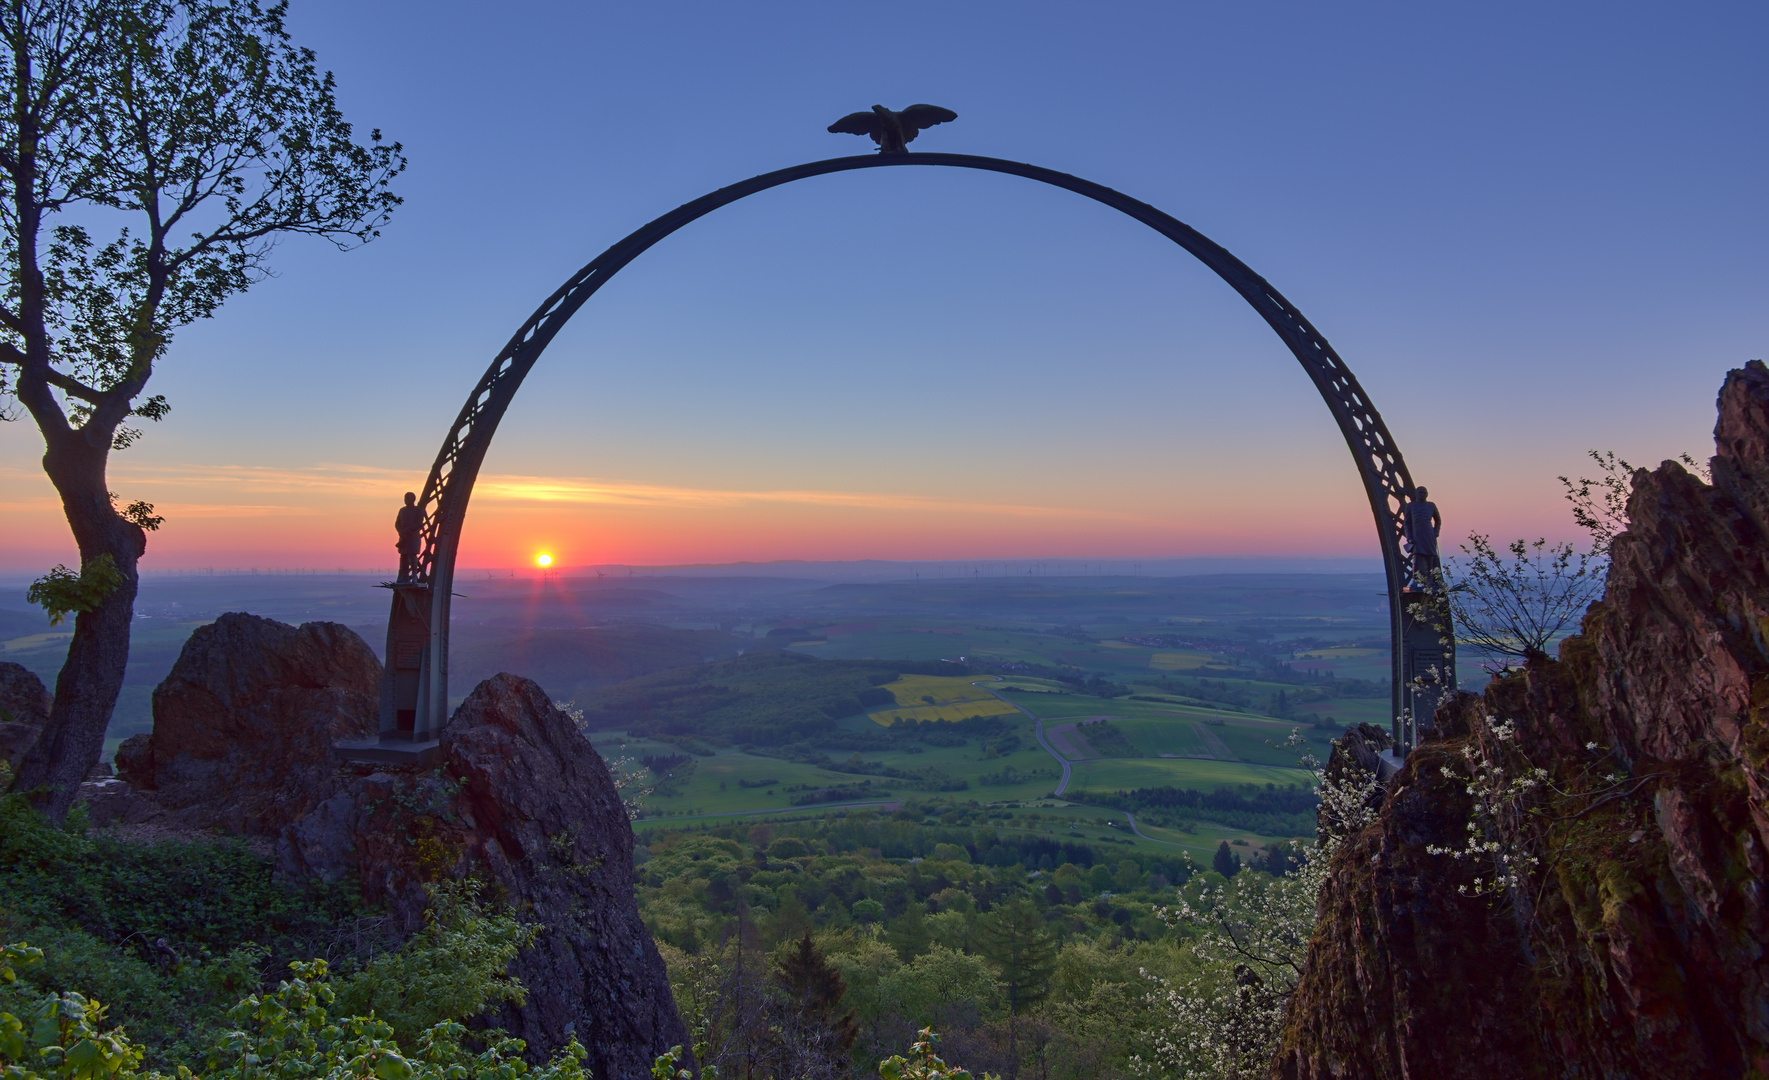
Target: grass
x,y
1114,774
718,784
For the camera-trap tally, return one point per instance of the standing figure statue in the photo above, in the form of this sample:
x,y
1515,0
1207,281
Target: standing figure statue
x,y
408,525
1420,524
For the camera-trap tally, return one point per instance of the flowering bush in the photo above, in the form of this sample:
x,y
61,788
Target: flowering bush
x,y
1252,937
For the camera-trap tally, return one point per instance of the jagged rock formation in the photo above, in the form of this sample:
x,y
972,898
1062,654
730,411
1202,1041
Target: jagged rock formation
x,y
24,709
524,803
244,724
520,800
1636,946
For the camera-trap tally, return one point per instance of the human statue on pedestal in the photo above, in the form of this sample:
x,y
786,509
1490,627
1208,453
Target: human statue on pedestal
x,y
1420,524
408,525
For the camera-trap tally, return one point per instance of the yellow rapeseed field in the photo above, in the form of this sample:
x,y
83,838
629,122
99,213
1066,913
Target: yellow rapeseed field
x,y
954,698
914,689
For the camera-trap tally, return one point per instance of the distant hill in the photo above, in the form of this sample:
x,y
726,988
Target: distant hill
x,y
573,664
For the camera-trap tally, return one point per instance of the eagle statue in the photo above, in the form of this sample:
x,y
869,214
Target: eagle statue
x,y
892,131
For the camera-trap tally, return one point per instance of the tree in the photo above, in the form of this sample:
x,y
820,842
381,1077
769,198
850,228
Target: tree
x,y
194,134
1600,505
1013,937
1515,604
1225,862
812,1035
1251,939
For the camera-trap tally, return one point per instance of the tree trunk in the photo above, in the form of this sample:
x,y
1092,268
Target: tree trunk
x,y
91,676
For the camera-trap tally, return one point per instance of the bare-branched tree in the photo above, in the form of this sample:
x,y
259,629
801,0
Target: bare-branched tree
x,y
1600,505
1515,603
153,151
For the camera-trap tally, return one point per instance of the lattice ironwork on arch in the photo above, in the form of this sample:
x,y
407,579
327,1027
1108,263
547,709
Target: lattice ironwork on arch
x,y
1420,636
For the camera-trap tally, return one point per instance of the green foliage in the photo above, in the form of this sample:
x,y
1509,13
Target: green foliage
x,y
923,1064
62,592
1014,939
664,1068
142,514
285,1035
929,925
452,969
112,93
168,934
1225,862
59,1035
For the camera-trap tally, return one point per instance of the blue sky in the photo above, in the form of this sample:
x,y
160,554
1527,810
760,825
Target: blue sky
x,y
1530,230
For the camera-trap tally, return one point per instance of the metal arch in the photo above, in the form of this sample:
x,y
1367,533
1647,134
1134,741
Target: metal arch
x,y
446,492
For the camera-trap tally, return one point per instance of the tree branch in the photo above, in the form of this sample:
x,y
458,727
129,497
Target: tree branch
x,y
73,387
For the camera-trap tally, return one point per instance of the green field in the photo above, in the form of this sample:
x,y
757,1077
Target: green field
x,y
1237,749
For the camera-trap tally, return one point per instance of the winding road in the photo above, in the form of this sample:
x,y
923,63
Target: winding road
x,y
1038,730
1158,840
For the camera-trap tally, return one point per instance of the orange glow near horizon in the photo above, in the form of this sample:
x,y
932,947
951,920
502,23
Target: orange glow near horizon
x,y
342,516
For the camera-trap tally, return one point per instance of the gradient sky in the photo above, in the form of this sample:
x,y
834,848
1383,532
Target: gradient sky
x,y
1530,229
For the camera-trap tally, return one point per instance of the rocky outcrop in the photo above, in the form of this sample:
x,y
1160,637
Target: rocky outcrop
x,y
519,800
524,803
245,722
1635,947
24,709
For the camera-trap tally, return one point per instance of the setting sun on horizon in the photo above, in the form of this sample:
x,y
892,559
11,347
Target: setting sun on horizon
x,y
543,560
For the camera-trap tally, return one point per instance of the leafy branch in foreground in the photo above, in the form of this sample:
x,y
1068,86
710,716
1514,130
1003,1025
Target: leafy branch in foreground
x,y
62,592
288,1033
923,1064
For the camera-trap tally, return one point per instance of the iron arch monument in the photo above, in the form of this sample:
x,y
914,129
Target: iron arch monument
x,y
414,698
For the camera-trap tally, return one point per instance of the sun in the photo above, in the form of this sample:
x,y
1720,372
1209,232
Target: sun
x,y
543,560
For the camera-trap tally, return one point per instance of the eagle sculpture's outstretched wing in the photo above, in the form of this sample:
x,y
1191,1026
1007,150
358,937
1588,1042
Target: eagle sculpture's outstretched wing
x,y
921,117
860,123
892,131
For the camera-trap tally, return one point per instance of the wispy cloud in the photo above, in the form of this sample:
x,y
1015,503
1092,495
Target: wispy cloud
x,y
373,483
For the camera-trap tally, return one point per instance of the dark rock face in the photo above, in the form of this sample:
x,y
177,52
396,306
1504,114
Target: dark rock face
x,y
242,743
524,803
244,724
24,709
1638,949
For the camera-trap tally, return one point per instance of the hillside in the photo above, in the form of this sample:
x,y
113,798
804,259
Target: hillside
x,y
766,698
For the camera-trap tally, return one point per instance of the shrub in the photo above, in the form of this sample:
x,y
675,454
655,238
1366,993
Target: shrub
x,y
788,847
452,969
289,1033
